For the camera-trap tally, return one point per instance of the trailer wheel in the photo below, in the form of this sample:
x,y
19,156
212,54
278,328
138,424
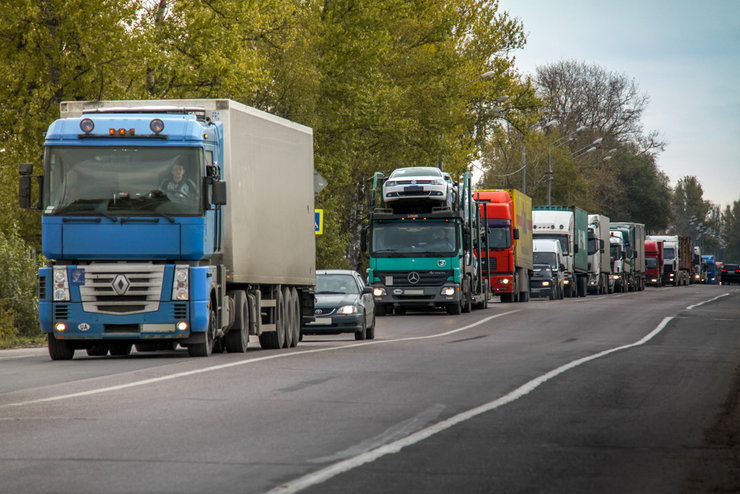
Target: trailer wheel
x,y
204,348
237,339
60,349
293,319
285,317
297,316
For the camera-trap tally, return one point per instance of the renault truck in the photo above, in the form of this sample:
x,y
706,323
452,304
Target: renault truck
x,y
173,222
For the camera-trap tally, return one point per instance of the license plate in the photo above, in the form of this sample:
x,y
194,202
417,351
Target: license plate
x,y
321,320
413,292
413,188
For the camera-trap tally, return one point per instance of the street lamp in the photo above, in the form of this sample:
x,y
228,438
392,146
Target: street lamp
x,y
586,149
536,125
554,145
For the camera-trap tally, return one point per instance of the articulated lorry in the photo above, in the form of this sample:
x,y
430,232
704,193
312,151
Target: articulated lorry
x,y
425,259
621,268
599,263
568,225
507,264
654,262
676,259
634,243
146,250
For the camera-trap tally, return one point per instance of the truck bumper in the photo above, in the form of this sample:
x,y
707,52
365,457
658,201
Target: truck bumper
x,y
502,284
173,320
419,296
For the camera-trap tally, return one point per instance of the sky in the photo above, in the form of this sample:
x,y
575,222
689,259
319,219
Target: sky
x,y
684,54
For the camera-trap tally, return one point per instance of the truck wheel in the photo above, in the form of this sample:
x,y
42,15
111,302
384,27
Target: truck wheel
x,y
60,349
204,348
285,315
454,309
237,339
507,298
120,348
297,317
380,309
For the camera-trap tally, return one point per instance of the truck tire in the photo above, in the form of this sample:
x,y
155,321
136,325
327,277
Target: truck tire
x,y
60,349
454,308
285,315
507,298
297,316
205,348
237,338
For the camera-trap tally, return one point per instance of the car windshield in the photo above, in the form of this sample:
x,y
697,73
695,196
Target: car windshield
x,y
417,172
545,258
122,180
336,283
431,239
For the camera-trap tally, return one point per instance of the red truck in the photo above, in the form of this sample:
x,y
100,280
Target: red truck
x,y
654,262
507,264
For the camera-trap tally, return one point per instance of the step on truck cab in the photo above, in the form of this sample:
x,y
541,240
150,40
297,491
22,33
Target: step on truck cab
x,y
144,247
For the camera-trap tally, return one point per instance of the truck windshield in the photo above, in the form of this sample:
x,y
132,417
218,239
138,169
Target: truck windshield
x,y
499,237
425,239
563,239
651,262
592,243
669,253
120,180
615,252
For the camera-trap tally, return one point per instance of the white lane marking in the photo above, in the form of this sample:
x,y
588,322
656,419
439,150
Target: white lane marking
x,y
706,301
327,473
179,375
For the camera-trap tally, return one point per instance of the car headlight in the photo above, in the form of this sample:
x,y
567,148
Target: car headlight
x,y
545,283
347,309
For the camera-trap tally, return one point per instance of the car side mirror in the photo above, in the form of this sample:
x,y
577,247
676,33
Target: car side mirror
x,y
367,289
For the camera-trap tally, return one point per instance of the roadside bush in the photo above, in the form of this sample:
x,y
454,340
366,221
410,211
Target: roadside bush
x,y
18,288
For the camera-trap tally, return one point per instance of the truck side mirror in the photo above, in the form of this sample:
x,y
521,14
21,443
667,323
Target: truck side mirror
x,y
575,248
601,246
219,193
516,233
562,267
25,187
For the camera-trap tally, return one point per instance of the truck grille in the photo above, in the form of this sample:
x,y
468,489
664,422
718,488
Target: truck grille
x,y
122,288
403,278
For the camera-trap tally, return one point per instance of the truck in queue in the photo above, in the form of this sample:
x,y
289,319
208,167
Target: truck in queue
x,y
599,263
145,249
711,269
676,259
634,242
654,262
422,254
507,264
621,269
568,225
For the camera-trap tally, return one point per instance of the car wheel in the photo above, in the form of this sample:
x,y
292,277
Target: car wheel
x,y
362,334
370,332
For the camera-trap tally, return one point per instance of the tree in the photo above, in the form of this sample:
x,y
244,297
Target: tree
x,y
693,216
730,233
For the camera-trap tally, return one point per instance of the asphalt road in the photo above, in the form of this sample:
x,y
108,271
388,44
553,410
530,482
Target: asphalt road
x,y
620,393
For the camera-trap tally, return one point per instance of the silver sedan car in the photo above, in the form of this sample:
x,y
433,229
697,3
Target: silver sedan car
x,y
420,182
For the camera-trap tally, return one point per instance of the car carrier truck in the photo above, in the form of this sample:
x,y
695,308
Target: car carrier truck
x,y
144,247
424,257
507,264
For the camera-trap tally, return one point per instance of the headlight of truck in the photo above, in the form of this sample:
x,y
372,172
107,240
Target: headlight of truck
x,y
448,291
181,286
61,284
347,309
378,291
545,283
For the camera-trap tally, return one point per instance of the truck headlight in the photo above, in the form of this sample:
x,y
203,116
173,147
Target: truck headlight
x,y
545,283
347,309
61,284
378,291
181,285
448,291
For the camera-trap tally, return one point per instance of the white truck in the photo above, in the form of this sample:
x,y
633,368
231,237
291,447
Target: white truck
x,y
619,268
139,259
600,280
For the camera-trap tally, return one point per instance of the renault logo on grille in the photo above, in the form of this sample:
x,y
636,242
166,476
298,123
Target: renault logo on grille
x,y
414,277
120,284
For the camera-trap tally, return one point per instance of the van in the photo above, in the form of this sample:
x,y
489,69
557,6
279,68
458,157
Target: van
x,y
549,251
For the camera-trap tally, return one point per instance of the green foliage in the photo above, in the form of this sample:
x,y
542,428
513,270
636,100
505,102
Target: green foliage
x,y
18,288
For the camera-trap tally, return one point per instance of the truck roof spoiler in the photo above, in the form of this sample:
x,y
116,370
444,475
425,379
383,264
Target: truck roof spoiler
x,y
198,111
